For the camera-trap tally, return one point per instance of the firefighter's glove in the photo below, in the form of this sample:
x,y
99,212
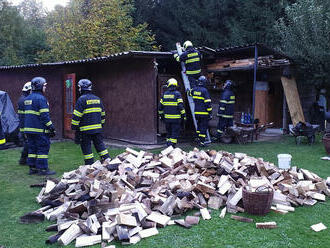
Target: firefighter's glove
x,y
52,132
210,117
77,138
176,57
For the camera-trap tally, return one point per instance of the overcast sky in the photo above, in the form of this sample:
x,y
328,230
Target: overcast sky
x,y
48,4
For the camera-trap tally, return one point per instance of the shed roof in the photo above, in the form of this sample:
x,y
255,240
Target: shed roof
x,y
122,55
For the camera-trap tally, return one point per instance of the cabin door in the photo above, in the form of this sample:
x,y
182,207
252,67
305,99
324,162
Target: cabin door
x,y
69,86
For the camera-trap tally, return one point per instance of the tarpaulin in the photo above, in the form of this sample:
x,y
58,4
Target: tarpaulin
x,y
9,117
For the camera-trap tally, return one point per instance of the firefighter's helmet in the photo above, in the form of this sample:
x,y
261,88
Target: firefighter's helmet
x,y
85,84
187,44
172,82
38,83
26,87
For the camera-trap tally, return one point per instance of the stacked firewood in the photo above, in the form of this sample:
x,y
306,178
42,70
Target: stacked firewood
x,y
138,192
265,61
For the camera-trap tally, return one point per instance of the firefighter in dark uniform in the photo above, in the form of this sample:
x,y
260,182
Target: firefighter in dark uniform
x,y
203,108
192,60
38,128
2,134
88,120
25,92
172,112
226,108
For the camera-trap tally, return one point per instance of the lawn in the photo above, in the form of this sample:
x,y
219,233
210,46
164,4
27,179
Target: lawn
x,y
18,198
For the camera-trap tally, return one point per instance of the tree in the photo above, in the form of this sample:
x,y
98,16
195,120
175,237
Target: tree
x,y
11,34
305,32
90,28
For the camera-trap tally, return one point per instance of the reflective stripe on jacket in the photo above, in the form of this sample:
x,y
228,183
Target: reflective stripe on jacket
x,y
202,100
226,104
88,115
171,106
192,61
36,114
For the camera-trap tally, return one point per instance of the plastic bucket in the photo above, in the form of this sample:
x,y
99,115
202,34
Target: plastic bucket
x,y
284,161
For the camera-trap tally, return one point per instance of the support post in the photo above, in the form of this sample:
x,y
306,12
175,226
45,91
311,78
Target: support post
x,y
254,79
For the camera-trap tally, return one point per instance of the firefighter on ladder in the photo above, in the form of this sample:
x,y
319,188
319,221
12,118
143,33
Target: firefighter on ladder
x,y
203,108
88,120
192,60
226,109
172,112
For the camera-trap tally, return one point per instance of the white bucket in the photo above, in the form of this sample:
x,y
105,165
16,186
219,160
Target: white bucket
x,y
284,161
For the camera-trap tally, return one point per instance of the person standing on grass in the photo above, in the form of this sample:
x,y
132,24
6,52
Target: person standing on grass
x,y
172,112
226,109
38,128
25,92
88,120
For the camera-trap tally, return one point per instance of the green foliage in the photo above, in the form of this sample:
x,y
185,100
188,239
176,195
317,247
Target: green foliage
x,y
214,23
21,32
90,28
305,33
11,34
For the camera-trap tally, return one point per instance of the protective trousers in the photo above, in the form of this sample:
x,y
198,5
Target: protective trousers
x,y
202,125
25,151
223,124
86,147
193,78
39,145
173,132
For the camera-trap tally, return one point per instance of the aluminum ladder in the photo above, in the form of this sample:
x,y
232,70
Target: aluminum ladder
x,y
187,89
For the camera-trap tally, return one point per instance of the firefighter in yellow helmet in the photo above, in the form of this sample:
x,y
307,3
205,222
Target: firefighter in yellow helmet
x,y
192,60
172,112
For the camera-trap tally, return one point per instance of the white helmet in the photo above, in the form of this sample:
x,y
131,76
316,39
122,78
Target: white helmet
x,y
187,44
27,87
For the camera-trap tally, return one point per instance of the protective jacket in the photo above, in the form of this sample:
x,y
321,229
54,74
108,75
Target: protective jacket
x,y
88,115
227,103
2,135
36,114
192,60
202,101
171,107
21,111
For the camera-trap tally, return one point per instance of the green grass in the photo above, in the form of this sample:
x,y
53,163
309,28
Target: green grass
x,y
17,198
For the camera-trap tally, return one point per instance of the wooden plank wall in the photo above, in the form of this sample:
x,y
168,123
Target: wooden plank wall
x,y
293,100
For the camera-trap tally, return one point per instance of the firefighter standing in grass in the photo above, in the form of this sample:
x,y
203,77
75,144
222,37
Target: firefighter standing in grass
x,y
172,112
26,90
203,108
38,128
88,120
192,60
226,108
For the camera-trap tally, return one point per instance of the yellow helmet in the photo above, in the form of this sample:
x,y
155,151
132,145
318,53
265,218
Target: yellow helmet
x,y
187,44
27,86
172,82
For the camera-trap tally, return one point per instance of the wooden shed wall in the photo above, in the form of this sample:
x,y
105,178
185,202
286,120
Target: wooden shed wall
x,y
126,86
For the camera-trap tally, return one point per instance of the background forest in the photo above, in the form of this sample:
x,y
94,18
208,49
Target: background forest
x,y
90,28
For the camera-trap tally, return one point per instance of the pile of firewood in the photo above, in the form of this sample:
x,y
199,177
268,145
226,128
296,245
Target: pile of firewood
x,y
138,192
263,61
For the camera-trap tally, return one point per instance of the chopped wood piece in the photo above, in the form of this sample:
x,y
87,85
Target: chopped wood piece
x,y
159,218
223,213
70,234
134,239
122,233
284,207
242,219
215,202
148,232
266,225
205,214
318,227
237,197
182,223
192,220
88,240
127,220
